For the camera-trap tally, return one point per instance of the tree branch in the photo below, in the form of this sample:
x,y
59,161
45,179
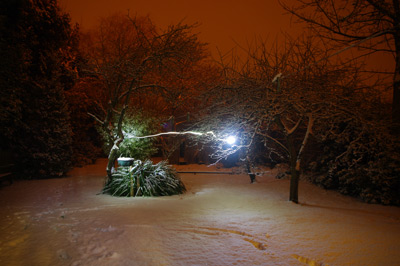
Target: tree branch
x,y
96,118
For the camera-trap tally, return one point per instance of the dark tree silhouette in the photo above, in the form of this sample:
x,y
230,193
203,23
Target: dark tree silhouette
x,y
34,74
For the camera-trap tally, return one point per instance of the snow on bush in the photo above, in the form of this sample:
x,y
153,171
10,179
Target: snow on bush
x,y
145,179
362,163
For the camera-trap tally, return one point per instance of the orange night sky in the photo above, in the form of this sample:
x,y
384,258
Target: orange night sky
x,y
222,22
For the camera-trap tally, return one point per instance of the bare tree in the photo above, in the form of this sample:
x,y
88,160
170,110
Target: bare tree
x,y
279,99
372,25
176,101
127,55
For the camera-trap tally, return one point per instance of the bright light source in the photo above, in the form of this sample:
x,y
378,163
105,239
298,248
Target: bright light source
x,y
230,140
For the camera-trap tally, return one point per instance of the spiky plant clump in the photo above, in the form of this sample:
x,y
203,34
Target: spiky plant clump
x,y
145,179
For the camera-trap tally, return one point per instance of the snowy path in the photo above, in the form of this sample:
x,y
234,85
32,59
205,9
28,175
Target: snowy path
x,y
221,220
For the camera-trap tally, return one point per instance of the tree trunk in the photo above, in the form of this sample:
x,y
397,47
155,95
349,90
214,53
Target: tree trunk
x,y
114,153
294,184
396,86
294,178
112,157
249,172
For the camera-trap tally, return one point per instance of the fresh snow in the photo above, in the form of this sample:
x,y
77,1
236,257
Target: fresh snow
x,y
221,220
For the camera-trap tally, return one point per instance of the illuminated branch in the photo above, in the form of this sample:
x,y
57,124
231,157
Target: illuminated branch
x,y
172,133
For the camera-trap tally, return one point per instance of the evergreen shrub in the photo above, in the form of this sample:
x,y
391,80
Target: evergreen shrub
x,y
362,164
144,179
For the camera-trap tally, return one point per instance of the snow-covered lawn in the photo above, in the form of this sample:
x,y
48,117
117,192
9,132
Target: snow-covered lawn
x,y
221,220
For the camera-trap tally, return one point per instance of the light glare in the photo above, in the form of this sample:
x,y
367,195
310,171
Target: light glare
x,y
230,140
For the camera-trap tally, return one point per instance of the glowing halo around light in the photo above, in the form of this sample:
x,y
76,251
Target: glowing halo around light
x,y
230,140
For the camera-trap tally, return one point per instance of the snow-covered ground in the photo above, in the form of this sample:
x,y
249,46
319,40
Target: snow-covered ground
x,y
221,220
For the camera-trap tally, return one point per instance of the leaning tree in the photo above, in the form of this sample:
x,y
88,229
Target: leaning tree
x,y
129,55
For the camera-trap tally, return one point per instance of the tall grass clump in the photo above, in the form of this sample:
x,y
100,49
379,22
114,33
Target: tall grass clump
x,y
146,179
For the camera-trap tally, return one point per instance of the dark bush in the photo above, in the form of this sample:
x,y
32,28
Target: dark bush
x,y
34,72
361,162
